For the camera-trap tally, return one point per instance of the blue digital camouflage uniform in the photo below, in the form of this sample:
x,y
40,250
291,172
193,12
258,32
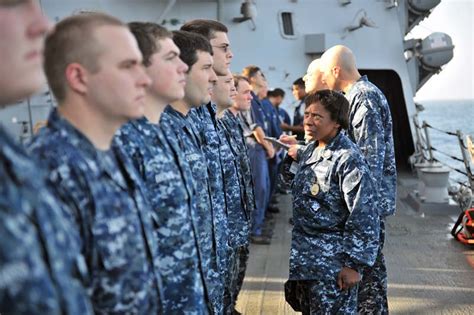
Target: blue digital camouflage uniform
x,y
41,268
203,119
238,217
182,135
233,126
336,223
105,198
179,257
371,129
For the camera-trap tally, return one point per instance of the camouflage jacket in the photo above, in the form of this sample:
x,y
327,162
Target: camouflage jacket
x,y
41,268
182,136
176,221
237,215
336,222
234,128
106,199
371,129
203,120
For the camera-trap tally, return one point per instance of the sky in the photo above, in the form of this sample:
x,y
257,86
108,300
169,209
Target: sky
x,y
456,80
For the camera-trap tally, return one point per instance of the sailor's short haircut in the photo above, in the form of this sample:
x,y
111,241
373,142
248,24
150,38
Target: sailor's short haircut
x,y
250,71
207,28
334,102
73,41
148,35
189,44
276,92
238,78
299,82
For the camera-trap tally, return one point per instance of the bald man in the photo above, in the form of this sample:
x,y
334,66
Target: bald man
x,y
313,83
371,129
313,77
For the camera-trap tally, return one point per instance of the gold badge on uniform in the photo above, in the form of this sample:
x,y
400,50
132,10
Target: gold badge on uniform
x,y
315,189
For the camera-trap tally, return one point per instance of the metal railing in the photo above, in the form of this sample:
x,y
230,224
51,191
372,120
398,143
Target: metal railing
x,y
426,152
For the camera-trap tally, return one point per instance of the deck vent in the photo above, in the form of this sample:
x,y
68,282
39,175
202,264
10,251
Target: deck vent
x,y
287,28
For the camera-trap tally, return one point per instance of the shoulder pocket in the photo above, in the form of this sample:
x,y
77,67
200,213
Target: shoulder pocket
x,y
359,115
351,180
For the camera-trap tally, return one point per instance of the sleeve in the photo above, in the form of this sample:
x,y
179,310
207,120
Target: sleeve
x,y
258,118
302,147
361,231
276,123
368,133
127,146
25,283
73,190
286,118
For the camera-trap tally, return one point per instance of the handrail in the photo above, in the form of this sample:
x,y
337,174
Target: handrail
x,y
426,151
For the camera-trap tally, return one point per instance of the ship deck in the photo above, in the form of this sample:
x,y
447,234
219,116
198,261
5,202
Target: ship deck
x,y
428,271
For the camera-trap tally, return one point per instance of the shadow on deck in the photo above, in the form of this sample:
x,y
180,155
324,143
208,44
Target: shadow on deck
x,y
428,272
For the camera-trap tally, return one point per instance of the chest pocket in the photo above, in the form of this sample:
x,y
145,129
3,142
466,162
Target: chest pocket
x,y
112,237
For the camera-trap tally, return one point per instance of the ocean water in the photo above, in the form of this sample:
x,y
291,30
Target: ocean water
x,y
449,115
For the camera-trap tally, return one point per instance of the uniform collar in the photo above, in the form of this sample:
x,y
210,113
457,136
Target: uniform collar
x,y
70,134
73,136
327,152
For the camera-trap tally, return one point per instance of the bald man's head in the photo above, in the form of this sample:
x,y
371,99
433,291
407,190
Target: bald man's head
x,y
339,68
313,78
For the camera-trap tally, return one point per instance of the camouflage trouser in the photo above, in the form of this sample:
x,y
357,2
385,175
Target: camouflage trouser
x,y
373,286
216,293
243,255
236,277
325,297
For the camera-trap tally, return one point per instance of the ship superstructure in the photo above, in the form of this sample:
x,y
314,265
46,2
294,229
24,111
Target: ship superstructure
x,y
282,37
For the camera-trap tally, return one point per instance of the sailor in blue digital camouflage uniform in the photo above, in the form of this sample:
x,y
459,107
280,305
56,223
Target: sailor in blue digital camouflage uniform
x,y
196,52
371,129
238,217
99,90
204,119
233,125
41,268
256,127
313,82
336,222
183,258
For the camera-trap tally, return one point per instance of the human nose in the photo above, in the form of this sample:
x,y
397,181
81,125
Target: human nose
x,y
40,23
212,76
230,55
143,79
183,67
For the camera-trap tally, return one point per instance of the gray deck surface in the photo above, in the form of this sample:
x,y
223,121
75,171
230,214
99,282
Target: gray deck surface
x,y
428,272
